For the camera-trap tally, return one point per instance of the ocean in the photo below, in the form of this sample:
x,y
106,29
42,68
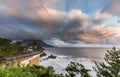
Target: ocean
x,y
91,53
83,55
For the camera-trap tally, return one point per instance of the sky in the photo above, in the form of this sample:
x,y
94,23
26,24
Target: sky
x,y
62,23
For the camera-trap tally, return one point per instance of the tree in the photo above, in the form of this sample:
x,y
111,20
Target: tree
x,y
112,66
6,47
77,68
35,46
18,48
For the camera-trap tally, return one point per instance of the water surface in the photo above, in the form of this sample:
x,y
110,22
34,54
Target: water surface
x,y
92,53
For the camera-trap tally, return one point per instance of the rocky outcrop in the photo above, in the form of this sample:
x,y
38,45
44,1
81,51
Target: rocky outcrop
x,y
51,57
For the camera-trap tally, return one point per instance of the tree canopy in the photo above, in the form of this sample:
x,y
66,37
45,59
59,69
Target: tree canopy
x,y
9,48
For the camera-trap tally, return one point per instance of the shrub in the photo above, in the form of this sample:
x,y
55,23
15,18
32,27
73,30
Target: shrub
x,y
29,71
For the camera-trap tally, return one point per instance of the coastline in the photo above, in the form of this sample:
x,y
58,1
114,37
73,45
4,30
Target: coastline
x,y
61,62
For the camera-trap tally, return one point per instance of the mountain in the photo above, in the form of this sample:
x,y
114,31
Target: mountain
x,y
25,42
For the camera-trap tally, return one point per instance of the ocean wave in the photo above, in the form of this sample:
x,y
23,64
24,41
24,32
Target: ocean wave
x,y
62,61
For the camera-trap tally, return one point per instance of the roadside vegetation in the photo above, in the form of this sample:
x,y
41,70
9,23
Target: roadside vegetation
x,y
109,69
9,48
28,71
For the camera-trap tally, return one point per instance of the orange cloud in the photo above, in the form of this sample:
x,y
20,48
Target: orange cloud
x,y
88,38
110,32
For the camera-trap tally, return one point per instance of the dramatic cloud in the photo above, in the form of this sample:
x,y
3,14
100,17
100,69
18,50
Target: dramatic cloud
x,y
45,19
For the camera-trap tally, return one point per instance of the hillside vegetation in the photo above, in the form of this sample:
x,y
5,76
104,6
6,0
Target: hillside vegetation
x,y
109,69
9,48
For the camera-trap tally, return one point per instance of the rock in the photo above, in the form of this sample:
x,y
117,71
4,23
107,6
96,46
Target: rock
x,y
51,57
43,54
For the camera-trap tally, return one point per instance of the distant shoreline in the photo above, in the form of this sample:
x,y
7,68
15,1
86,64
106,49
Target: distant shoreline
x,y
83,47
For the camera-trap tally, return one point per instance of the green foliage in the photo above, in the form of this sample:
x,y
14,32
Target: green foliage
x,y
29,71
18,48
77,68
15,72
7,48
35,46
112,66
109,69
